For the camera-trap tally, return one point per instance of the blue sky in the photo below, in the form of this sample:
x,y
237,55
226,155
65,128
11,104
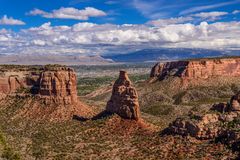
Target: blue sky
x,y
118,11
151,23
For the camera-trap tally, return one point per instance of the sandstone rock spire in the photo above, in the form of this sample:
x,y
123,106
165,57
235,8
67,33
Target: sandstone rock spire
x,y
124,99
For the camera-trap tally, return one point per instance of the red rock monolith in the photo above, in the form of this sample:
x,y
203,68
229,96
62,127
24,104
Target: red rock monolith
x,y
124,99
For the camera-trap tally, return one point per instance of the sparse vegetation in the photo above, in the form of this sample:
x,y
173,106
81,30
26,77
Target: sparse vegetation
x,y
159,110
87,85
9,67
5,151
111,138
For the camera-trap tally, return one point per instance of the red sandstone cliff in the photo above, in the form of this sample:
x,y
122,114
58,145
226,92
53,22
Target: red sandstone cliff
x,y
54,89
198,69
58,86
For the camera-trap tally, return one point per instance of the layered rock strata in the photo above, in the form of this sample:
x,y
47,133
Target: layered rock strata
x,y
197,69
124,99
49,92
57,85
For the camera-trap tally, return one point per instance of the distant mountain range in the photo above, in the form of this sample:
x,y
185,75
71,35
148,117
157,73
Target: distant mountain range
x,y
146,55
42,59
164,54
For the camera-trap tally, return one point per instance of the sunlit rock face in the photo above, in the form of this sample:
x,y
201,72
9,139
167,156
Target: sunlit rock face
x,y
11,80
124,99
49,92
197,69
208,125
58,86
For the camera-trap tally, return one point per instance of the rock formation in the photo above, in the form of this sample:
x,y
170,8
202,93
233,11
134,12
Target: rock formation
x,y
13,78
124,99
157,70
54,89
10,83
202,127
208,125
235,102
52,84
197,69
58,86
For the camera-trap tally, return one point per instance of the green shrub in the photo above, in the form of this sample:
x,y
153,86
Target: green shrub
x,y
178,97
159,110
9,154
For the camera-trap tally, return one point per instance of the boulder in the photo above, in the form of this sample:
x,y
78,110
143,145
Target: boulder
x,y
235,102
208,125
202,128
124,99
221,107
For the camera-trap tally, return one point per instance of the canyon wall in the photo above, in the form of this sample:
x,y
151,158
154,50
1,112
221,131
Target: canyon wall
x,y
197,69
56,85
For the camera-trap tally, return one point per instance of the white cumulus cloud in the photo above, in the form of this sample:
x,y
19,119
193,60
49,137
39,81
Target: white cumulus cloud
x,y
97,39
10,21
210,15
163,22
236,12
70,13
39,42
199,17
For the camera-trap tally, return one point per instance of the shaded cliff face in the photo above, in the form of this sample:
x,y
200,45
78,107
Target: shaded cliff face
x,y
197,69
12,81
124,99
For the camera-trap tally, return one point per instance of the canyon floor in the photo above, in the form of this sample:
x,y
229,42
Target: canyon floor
x,y
112,137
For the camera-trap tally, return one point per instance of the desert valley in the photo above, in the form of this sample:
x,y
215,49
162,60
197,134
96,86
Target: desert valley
x,y
181,110
119,80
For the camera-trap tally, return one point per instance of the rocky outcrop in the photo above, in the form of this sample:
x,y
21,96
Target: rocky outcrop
x,y
53,84
54,89
58,86
235,102
208,125
11,83
14,78
197,69
157,70
124,99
